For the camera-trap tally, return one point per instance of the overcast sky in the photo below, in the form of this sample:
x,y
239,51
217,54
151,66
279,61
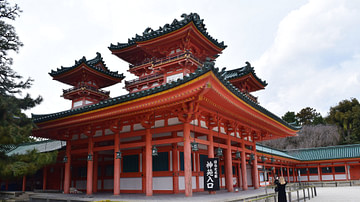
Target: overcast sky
x,y
307,51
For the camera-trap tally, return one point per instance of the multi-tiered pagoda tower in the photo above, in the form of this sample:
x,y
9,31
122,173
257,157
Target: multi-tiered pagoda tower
x,y
87,77
168,53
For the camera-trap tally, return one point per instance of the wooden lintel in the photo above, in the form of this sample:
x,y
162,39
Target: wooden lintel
x,y
132,145
167,141
104,148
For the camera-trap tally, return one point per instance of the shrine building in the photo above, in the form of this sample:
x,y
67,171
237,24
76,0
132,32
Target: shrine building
x,y
180,110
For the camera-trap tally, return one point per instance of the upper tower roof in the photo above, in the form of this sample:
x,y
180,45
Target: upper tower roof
x,y
186,34
94,69
245,77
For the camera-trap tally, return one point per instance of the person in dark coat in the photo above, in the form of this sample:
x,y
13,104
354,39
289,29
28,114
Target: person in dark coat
x,y
281,186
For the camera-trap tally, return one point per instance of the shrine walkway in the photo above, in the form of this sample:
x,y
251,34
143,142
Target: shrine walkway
x,y
346,193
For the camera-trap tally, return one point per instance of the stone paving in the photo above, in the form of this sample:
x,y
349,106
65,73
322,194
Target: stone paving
x,y
347,193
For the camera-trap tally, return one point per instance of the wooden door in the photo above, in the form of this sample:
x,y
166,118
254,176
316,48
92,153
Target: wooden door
x,y
355,172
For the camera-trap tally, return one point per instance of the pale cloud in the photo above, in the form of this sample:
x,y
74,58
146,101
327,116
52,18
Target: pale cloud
x,y
314,58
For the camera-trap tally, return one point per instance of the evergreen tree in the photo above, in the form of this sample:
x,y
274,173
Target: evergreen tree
x,y
15,126
346,115
290,117
309,116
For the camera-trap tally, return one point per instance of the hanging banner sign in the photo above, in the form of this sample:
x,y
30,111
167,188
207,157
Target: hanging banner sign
x,y
211,174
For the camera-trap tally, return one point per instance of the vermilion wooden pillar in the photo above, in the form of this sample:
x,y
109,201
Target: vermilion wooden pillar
x,y
211,148
116,166
24,183
228,167
148,157
67,168
288,173
95,174
281,171
187,160
319,173
90,166
243,168
44,177
255,171
211,141
239,175
175,165
346,171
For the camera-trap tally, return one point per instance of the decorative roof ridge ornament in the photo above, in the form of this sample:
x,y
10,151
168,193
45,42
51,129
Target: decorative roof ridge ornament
x,y
149,33
91,63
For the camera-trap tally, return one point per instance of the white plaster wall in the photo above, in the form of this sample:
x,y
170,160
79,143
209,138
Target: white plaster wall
x,y
303,178
327,177
291,178
99,184
109,184
125,129
201,182
138,126
98,133
340,177
181,183
222,181
108,132
193,181
173,121
313,178
203,124
163,183
248,175
159,123
132,183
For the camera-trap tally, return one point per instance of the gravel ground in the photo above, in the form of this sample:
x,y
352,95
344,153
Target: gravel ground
x,y
337,194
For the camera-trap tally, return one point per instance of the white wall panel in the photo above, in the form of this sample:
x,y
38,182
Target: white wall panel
x,y
313,178
132,183
340,177
173,121
201,182
327,177
163,183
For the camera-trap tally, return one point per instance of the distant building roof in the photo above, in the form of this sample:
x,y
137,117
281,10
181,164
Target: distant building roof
x,y
275,152
326,153
41,146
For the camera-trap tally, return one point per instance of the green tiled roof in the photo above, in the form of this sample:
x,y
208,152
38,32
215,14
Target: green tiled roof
x,y
40,146
208,66
242,71
167,28
326,153
275,152
90,63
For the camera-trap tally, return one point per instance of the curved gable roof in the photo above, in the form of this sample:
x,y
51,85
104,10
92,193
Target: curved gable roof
x,y
243,71
97,64
207,67
149,33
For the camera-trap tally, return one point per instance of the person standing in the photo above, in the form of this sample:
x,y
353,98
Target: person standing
x,y
281,187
